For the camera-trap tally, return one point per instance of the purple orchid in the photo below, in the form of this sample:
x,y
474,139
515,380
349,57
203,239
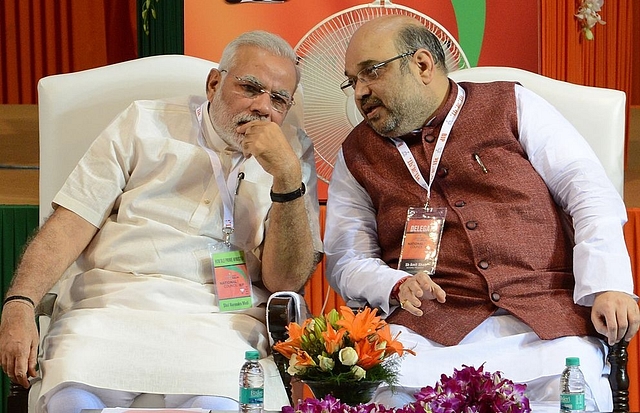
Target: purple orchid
x,y
468,390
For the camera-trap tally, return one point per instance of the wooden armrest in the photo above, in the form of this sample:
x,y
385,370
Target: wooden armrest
x,y
618,378
280,312
18,399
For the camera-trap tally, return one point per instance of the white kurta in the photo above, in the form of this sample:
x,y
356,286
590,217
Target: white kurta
x,y
577,182
138,311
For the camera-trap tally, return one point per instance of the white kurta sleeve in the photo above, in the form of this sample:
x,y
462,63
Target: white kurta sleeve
x,y
579,184
354,267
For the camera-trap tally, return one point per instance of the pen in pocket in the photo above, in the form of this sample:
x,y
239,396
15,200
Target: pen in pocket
x,y
477,158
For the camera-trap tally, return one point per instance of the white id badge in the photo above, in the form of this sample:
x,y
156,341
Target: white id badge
x,y
231,278
421,240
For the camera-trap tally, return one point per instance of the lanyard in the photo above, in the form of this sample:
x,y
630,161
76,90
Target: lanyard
x,y
224,187
408,157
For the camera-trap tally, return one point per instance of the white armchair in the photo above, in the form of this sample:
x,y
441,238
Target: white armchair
x,y
599,115
75,107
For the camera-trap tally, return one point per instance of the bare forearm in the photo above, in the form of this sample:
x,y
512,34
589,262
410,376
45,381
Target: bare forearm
x,y
58,243
288,258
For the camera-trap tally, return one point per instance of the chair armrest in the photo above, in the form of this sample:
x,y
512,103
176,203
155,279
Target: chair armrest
x,y
618,378
18,399
45,306
282,309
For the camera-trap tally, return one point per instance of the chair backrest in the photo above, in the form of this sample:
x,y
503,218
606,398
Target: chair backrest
x,y
597,113
75,107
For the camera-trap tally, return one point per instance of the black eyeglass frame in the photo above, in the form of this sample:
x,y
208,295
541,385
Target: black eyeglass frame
x,y
351,82
259,89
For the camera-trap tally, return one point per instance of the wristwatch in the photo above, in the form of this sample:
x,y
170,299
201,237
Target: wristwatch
x,y
289,196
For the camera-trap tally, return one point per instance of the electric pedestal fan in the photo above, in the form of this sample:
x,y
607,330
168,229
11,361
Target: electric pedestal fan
x,y
329,115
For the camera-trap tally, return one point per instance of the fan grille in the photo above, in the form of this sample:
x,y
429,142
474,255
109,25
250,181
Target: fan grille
x,y
329,115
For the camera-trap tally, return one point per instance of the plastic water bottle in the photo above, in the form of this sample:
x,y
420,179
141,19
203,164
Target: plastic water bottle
x,y
251,384
572,387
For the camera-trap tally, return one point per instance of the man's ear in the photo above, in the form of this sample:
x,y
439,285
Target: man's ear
x,y
426,65
213,82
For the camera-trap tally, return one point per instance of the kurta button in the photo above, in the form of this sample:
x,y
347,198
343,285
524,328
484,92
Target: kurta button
x,y
495,296
471,225
429,138
460,204
442,172
483,264
207,201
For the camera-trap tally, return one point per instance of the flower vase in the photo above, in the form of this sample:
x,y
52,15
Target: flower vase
x,y
351,393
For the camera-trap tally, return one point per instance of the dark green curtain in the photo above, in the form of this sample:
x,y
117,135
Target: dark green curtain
x,y
165,30
17,223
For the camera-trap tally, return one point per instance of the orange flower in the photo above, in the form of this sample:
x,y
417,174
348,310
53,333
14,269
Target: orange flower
x,y
342,347
296,332
333,339
368,354
360,325
392,344
304,359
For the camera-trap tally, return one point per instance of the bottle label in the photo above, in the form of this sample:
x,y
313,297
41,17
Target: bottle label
x,y
250,395
572,401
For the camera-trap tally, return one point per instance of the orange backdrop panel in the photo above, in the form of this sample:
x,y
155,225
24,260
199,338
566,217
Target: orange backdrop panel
x,y
507,32
211,24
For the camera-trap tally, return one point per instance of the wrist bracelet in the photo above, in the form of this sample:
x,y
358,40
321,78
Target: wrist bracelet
x,y
289,196
19,297
396,288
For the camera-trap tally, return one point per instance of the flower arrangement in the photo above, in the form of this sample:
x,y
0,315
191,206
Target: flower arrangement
x,y
588,14
467,390
342,347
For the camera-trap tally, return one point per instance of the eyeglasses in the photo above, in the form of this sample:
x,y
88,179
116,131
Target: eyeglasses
x,y
370,73
251,89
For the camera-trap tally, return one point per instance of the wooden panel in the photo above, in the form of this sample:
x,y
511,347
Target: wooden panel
x,y
19,154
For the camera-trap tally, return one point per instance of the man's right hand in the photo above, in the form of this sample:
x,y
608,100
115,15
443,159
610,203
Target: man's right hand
x,y
18,342
419,286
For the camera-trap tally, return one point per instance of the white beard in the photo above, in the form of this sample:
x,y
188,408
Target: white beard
x,y
225,123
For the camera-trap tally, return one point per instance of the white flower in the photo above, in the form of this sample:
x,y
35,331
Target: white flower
x,y
294,367
588,14
358,372
325,363
348,356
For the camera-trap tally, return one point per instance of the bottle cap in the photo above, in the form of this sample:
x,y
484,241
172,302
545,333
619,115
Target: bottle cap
x,y
572,361
252,355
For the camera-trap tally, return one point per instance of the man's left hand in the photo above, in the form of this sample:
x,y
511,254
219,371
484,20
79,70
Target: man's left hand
x,y
615,315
